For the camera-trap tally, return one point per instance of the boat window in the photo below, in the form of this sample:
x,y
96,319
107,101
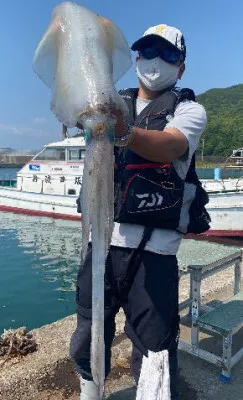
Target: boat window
x,y
56,154
72,191
76,155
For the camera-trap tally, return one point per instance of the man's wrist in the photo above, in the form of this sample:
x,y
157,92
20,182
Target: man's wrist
x,y
123,141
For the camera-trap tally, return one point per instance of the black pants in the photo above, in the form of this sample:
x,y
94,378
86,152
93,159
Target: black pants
x,y
151,309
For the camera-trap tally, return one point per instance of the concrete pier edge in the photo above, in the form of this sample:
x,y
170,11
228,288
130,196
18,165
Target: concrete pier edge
x,y
49,373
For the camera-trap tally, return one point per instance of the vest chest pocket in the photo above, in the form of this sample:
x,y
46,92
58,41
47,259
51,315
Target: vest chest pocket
x,y
154,121
148,202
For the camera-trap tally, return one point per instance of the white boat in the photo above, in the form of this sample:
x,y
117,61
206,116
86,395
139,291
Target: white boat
x,y
223,185
226,212
226,199
225,206
50,183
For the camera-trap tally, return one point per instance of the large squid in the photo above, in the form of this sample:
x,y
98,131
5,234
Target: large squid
x,y
80,58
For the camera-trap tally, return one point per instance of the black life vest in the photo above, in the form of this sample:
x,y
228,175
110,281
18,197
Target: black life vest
x,y
153,194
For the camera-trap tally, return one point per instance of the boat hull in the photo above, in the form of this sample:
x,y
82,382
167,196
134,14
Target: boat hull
x,y
53,206
226,212
225,209
223,185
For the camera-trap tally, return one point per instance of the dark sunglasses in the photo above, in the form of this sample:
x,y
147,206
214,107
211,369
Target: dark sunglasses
x,y
167,54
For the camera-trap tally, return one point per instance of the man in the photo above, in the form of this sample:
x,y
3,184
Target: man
x,y
157,198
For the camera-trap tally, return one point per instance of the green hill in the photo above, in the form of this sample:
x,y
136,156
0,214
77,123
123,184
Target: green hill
x,y
224,130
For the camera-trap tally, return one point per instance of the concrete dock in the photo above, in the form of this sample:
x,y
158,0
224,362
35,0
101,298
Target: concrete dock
x,y
49,374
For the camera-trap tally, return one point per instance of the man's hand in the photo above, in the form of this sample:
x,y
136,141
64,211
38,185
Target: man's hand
x,y
79,126
121,128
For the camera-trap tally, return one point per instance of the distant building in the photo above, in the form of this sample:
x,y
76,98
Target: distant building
x,y
6,150
238,156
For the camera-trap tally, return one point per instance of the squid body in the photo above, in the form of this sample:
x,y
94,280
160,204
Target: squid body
x,y
80,58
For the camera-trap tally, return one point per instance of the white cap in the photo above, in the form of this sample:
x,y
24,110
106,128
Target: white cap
x,y
162,33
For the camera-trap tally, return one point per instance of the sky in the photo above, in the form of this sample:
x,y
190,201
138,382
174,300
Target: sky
x,y
212,29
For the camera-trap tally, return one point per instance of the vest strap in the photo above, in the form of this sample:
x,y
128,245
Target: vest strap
x,y
134,263
144,166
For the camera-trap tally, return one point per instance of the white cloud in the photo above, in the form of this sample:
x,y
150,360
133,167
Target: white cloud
x,y
40,120
20,130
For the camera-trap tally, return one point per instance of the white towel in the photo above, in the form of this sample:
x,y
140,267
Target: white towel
x,y
154,381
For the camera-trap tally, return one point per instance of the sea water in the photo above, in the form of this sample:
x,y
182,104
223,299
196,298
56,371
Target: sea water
x,y
39,259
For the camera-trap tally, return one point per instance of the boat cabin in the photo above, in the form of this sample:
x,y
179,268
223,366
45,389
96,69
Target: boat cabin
x,y
57,169
237,156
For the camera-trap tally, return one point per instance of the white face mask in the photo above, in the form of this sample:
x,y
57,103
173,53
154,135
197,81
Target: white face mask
x,y
156,74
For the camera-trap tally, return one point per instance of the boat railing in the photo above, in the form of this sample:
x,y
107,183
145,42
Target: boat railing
x,y
222,184
236,182
239,184
233,157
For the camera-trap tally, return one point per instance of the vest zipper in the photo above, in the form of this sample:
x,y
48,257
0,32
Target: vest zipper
x,y
146,123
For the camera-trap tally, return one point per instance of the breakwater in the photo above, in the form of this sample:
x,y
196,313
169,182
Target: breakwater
x,y
14,160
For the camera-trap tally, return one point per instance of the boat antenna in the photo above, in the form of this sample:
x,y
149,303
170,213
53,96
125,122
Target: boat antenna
x,y
64,132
